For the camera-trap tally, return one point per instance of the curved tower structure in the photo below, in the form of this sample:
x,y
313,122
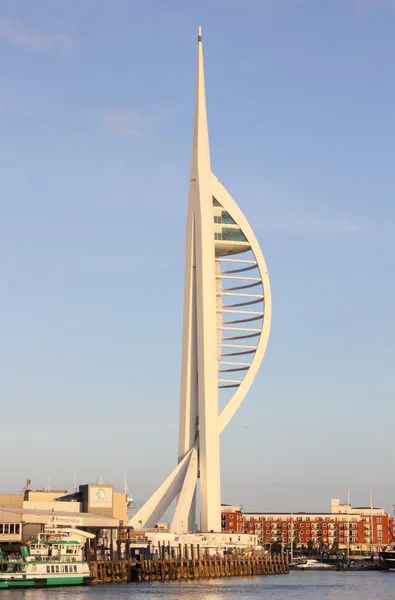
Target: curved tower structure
x,y
226,324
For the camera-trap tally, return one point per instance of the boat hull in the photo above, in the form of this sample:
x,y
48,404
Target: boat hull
x,y
44,582
389,559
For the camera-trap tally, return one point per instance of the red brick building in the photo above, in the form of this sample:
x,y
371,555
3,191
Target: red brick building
x,y
366,529
232,520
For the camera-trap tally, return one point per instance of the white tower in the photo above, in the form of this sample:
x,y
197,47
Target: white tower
x,y
227,315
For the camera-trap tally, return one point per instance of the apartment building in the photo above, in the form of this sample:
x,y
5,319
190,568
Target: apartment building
x,y
364,529
232,520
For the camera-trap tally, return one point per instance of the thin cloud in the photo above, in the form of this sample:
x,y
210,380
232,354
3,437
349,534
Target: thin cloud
x,y
121,122
67,46
17,34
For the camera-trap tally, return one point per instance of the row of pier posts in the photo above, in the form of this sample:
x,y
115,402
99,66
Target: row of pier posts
x,y
169,563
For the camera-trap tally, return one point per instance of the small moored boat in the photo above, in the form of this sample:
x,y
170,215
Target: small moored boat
x,y
311,563
387,556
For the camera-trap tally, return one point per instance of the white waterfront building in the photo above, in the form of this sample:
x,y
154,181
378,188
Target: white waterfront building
x,y
226,324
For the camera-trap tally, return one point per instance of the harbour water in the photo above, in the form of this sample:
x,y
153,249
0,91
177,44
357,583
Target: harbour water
x,y
303,585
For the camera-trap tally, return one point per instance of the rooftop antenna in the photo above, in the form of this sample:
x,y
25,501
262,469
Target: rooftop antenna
x,y
101,479
26,487
74,484
48,486
371,520
348,522
128,495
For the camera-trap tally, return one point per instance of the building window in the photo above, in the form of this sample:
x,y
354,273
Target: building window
x,y
216,203
227,219
233,235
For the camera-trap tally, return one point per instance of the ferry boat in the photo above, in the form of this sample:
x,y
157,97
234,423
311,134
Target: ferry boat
x,y
55,558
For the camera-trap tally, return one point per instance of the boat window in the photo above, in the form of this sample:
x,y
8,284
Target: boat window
x,y
6,528
52,569
75,568
48,569
17,528
57,568
1,527
12,528
66,568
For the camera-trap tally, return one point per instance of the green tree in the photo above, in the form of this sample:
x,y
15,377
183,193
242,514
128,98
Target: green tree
x,y
275,548
335,548
310,547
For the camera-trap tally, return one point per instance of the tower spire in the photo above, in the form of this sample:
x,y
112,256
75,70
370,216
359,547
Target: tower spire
x,y
201,147
217,296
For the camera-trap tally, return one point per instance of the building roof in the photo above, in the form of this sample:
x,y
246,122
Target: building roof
x,y
257,512
38,515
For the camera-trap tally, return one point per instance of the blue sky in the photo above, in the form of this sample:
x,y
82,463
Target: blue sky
x,y
96,109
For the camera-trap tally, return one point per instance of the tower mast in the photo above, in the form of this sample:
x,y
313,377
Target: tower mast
x,y
226,325
199,378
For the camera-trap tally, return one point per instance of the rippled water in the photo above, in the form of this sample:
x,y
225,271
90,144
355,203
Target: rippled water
x,y
295,586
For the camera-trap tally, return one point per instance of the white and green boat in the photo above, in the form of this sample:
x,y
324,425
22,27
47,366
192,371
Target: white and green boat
x,y
55,558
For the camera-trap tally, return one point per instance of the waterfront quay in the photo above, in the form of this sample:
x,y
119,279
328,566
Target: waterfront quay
x,y
184,562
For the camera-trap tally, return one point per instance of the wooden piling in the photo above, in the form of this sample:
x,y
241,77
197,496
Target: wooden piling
x,y
184,563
